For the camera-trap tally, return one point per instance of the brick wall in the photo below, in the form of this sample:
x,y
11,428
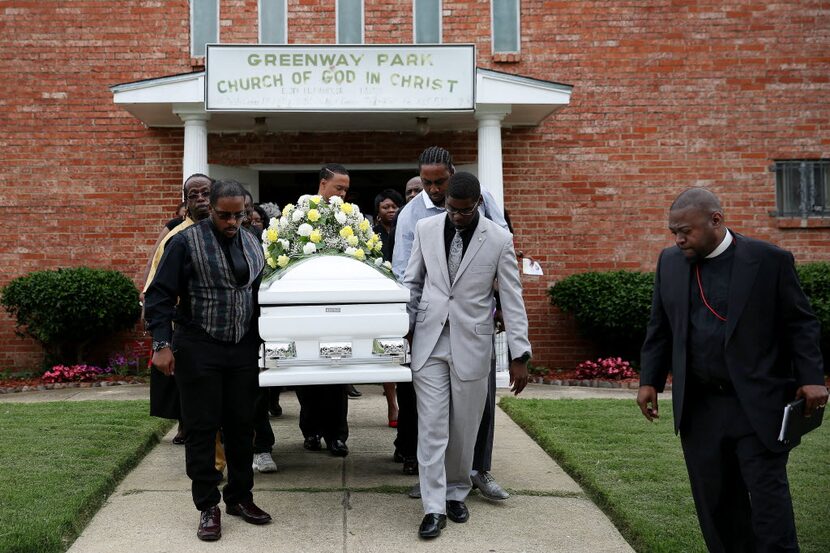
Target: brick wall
x,y
666,96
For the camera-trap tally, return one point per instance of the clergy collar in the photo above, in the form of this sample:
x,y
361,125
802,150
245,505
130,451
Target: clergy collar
x,y
724,245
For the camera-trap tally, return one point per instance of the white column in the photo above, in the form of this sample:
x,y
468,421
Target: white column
x,y
489,149
195,143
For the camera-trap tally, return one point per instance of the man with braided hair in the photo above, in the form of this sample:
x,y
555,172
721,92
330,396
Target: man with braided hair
x,y
435,166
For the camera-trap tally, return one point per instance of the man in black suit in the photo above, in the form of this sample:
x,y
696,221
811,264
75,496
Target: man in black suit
x,y
730,320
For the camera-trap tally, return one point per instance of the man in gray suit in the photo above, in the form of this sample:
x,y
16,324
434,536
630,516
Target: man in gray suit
x,y
451,331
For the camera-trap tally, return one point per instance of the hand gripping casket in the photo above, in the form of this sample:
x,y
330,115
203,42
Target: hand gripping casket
x,y
333,320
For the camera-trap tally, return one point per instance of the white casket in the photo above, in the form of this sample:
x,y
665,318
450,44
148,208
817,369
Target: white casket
x,y
333,320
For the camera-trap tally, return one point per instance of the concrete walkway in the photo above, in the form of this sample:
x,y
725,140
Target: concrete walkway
x,y
323,504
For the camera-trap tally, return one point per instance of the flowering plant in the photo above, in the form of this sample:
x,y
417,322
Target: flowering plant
x,y
74,373
316,226
610,367
123,364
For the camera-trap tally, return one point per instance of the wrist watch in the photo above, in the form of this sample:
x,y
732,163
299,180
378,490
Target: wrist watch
x,y
524,358
160,345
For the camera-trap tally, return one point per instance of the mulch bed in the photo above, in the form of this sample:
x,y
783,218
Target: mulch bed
x,y
11,386
569,378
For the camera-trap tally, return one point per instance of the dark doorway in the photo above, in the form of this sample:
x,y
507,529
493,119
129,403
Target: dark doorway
x,y
283,187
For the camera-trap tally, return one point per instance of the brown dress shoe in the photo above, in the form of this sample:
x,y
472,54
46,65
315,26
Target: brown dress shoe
x,y
210,524
249,512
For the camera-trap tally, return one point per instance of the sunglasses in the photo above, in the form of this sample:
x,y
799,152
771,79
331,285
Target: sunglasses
x,y
228,215
197,195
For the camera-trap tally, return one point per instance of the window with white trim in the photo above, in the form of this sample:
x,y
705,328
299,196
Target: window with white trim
x,y
802,188
273,22
204,25
349,21
427,21
505,25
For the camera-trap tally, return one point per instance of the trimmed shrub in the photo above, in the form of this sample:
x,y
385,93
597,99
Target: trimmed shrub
x,y
610,308
67,310
815,280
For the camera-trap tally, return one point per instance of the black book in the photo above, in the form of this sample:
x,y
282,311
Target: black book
x,y
795,424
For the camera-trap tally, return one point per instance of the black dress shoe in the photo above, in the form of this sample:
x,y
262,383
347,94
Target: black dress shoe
x,y
312,443
431,525
457,511
179,438
275,410
249,512
353,392
338,448
398,457
410,466
210,524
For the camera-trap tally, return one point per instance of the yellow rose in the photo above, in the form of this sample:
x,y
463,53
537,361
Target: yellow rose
x,y
364,225
347,209
313,215
352,240
315,236
360,254
273,234
378,246
315,199
370,243
346,231
282,261
286,211
271,262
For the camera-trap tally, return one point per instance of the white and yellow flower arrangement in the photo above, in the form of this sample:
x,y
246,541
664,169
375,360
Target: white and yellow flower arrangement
x,y
315,226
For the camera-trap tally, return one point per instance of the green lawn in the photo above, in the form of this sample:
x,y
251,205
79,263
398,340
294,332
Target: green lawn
x,y
634,470
58,463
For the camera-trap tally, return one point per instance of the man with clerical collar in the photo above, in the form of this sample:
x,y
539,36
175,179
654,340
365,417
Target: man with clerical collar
x,y
213,270
730,321
451,332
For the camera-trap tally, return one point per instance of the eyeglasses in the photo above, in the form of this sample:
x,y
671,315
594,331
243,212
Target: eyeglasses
x,y
197,195
463,212
228,215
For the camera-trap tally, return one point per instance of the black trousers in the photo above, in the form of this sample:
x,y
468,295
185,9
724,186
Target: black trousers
x,y
218,387
406,441
263,433
324,411
740,487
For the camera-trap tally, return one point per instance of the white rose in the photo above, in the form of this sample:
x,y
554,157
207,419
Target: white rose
x,y
336,200
298,215
387,265
350,251
265,241
304,229
284,223
304,199
340,216
284,243
273,222
309,248
378,261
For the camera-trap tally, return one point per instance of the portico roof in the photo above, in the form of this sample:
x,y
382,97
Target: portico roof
x,y
526,102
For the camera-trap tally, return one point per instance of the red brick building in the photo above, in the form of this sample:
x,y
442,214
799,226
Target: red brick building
x,y
634,102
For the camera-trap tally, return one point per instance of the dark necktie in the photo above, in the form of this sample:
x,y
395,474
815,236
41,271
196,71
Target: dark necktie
x,y
239,267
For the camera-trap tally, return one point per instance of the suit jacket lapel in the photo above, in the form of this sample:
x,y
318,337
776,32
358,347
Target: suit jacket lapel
x,y
476,242
744,271
441,252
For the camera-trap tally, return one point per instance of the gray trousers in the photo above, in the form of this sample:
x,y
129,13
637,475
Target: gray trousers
x,y
449,414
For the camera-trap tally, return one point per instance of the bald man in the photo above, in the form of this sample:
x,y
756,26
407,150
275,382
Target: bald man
x,y
730,321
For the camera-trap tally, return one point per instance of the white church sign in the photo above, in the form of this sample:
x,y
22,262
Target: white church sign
x,y
340,78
